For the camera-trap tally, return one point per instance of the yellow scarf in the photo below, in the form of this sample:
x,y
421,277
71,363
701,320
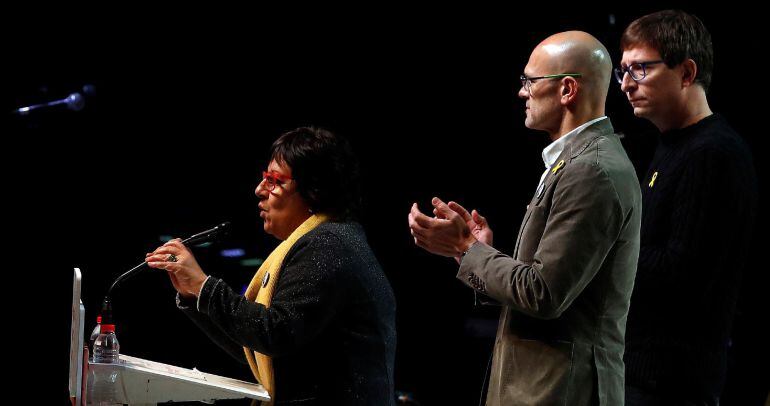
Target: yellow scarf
x,y
262,365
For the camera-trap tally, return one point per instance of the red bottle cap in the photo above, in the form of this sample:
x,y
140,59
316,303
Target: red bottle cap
x,y
99,319
107,328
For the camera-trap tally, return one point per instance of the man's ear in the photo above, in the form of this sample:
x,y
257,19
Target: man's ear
x,y
569,90
689,72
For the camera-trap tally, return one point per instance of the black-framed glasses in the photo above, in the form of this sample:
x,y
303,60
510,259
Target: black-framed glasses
x,y
526,82
637,70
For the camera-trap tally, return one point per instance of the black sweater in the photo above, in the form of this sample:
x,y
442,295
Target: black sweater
x,y
330,327
697,220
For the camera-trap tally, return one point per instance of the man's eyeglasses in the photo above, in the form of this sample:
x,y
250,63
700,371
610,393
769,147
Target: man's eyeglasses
x,y
526,82
637,70
274,178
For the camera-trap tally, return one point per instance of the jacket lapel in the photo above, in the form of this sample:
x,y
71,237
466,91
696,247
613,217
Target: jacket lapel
x,y
573,149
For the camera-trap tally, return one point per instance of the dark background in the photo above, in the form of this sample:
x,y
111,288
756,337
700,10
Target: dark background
x,y
185,106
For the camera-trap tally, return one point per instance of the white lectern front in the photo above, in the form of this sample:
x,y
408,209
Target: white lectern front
x,y
137,381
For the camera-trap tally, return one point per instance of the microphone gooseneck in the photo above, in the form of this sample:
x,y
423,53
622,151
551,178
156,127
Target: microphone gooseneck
x,y
204,236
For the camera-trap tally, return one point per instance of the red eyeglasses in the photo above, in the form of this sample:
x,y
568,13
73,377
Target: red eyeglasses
x,y
274,178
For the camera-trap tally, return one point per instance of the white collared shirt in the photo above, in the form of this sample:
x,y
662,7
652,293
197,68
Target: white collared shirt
x,y
554,149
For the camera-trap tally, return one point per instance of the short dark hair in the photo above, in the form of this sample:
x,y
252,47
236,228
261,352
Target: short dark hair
x,y
678,36
325,169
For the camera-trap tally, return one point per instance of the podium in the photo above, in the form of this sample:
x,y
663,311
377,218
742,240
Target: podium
x,y
137,381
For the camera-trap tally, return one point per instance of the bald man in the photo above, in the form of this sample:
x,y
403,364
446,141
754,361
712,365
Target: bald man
x,y
565,291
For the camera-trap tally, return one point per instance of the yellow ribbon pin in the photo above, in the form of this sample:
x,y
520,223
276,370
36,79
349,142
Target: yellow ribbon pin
x,y
654,176
558,166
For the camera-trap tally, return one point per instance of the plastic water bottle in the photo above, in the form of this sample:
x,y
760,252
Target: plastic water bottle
x,y
95,333
106,347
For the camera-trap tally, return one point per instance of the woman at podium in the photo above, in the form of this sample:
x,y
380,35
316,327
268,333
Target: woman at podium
x,y
317,322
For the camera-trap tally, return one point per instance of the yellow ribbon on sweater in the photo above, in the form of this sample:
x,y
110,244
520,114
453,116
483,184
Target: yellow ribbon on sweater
x,y
261,290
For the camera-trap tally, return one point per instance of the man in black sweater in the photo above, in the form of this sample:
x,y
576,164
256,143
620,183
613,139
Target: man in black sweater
x,y
698,204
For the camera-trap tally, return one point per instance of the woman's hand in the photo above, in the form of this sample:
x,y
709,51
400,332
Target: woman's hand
x,y
185,273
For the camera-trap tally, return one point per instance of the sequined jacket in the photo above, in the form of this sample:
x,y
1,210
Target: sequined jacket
x,y
330,328
565,292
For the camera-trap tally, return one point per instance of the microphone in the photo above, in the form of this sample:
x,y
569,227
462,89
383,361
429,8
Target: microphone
x,y
208,235
74,102
196,239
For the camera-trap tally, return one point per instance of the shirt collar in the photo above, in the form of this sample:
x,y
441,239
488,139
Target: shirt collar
x,y
554,149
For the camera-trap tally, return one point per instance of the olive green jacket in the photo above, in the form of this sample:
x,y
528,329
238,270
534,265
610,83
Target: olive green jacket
x,y
565,293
